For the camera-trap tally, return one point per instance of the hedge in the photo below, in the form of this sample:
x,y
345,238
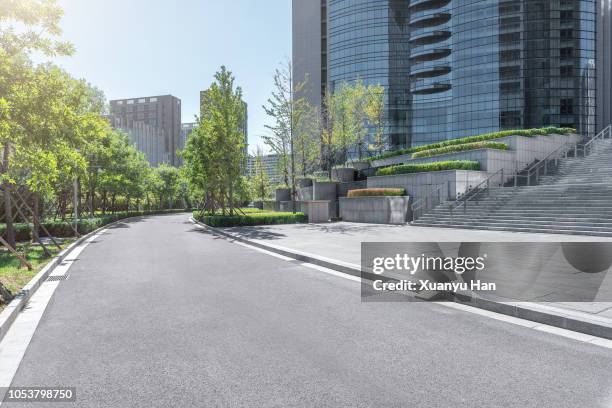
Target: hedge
x,y
426,167
460,148
478,138
377,192
266,218
63,229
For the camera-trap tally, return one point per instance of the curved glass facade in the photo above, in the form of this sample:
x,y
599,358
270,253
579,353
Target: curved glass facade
x,y
455,68
511,64
368,39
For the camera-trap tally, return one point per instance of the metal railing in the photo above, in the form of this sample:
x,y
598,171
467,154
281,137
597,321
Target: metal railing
x,y
496,180
429,202
501,178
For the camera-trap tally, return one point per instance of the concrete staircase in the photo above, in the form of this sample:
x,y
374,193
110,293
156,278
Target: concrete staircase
x,y
574,199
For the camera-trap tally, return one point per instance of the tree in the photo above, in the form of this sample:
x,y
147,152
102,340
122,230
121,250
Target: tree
x,y
27,26
351,111
374,112
291,131
215,152
260,182
167,185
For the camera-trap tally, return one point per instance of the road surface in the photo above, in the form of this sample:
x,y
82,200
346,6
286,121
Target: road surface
x,y
159,313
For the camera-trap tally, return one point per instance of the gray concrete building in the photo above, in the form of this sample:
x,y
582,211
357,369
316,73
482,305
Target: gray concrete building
x,y
162,112
146,138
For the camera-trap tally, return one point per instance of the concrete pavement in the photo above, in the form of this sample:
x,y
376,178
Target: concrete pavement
x,y
158,313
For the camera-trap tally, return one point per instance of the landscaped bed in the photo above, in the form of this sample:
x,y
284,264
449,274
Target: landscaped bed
x,y
377,192
250,218
478,138
428,167
14,276
460,148
64,229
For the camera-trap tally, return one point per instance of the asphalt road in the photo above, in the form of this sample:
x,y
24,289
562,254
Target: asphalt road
x,y
158,313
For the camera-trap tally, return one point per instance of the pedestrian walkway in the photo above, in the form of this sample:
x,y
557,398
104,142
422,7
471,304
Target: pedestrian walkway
x,y
342,242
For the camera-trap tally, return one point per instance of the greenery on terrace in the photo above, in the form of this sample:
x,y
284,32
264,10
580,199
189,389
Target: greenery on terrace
x,y
427,167
377,192
478,138
460,148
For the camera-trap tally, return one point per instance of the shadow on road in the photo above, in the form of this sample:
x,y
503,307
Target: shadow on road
x,y
263,233
343,228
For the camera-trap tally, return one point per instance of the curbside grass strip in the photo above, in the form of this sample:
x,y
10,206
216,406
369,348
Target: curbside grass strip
x,y
12,310
564,319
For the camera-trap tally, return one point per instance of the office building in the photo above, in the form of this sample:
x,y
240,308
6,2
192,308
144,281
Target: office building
x,y
160,112
459,68
270,163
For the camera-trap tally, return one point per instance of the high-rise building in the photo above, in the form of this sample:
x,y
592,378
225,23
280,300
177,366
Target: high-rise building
x,y
186,130
270,164
160,112
456,68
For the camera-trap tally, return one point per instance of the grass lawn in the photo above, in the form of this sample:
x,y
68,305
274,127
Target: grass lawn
x,y
14,277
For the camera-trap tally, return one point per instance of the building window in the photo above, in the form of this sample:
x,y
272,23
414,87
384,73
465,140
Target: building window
x,y
119,102
153,100
567,106
142,100
130,102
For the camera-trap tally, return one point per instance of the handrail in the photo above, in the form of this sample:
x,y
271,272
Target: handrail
x,y
601,135
487,182
426,201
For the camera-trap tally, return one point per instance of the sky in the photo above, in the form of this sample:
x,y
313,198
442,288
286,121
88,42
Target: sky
x,y
137,48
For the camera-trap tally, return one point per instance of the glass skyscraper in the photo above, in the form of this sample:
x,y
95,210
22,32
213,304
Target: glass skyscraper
x,y
455,68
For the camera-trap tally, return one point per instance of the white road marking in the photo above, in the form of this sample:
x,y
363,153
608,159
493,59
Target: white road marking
x,y
584,338
16,341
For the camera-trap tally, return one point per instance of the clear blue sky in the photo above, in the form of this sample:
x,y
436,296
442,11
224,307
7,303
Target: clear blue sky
x,y
132,48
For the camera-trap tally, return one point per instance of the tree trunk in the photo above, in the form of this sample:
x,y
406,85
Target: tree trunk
x,y
36,210
8,205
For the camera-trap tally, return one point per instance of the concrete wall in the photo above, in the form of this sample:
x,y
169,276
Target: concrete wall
x,y
327,191
317,211
282,194
419,185
344,188
523,151
375,210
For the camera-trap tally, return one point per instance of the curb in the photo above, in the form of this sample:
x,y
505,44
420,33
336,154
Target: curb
x,y
540,313
12,310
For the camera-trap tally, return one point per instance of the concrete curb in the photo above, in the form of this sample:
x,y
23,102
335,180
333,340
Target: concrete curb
x,y
540,313
12,310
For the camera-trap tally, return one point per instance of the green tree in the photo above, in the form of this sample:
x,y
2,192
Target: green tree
x,y
260,182
291,133
215,152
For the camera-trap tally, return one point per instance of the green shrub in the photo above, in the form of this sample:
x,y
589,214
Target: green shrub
x,y
263,218
63,229
460,148
377,192
478,138
426,167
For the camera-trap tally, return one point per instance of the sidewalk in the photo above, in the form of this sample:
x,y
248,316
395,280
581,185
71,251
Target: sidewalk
x,y
342,242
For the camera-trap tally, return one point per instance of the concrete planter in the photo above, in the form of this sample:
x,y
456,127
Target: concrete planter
x,y
303,182
361,165
375,210
344,174
283,194
318,211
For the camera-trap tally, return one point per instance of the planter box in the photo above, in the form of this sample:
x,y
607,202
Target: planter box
x,y
318,211
344,175
303,183
361,165
283,194
375,210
